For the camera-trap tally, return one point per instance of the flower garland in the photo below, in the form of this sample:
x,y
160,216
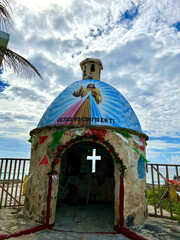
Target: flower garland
x,y
94,138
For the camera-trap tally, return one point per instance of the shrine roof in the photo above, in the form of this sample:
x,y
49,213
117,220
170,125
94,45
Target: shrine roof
x,y
102,106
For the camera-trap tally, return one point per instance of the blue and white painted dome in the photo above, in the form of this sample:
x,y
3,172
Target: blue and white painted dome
x,y
102,105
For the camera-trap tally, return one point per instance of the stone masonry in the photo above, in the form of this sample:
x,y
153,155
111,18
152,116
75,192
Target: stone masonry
x,y
135,203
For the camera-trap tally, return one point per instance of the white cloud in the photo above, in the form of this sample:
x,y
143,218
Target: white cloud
x,y
175,159
43,4
140,57
162,145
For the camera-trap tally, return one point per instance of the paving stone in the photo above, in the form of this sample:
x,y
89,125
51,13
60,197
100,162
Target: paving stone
x,y
86,218
152,229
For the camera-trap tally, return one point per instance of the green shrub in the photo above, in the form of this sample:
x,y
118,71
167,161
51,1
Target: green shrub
x,y
164,201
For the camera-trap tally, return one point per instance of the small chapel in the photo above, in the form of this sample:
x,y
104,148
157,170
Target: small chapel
x,y
88,148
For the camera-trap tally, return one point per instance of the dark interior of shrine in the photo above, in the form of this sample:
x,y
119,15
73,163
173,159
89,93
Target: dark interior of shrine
x,y
78,184
85,198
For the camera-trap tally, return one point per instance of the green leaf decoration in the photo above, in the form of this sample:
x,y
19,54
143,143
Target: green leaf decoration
x,y
56,137
125,134
60,149
78,138
136,150
6,203
30,140
143,157
71,141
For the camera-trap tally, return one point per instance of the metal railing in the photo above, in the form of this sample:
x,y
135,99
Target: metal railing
x,y
161,188
12,172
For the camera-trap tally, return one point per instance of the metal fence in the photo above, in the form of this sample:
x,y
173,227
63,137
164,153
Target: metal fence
x,y
162,189
12,172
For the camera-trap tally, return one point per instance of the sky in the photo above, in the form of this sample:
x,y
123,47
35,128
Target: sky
x,y
138,42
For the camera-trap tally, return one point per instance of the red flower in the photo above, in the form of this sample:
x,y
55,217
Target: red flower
x,y
117,155
61,147
88,135
111,150
95,139
99,132
75,141
101,140
67,143
57,160
57,152
108,145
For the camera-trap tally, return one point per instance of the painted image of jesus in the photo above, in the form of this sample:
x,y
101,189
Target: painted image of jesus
x,y
90,88
85,109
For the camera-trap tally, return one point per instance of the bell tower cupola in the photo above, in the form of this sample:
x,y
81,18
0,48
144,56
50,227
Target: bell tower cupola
x,y
91,68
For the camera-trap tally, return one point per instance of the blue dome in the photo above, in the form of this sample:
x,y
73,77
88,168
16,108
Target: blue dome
x,y
90,102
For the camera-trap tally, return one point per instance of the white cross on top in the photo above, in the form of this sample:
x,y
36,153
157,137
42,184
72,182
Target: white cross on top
x,y
94,158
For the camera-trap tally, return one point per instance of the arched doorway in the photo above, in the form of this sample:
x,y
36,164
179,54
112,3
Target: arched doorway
x,y
85,198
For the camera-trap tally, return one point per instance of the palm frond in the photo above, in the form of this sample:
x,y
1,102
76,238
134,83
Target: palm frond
x,y
5,14
16,62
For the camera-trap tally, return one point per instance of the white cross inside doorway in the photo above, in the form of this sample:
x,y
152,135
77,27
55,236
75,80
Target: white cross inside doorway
x,y
94,158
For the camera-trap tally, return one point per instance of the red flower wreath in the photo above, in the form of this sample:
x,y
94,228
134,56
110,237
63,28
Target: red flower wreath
x,y
111,150
61,147
58,152
101,140
57,160
67,144
88,135
94,138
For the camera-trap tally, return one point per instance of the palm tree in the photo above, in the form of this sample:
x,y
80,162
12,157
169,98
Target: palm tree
x,y
8,57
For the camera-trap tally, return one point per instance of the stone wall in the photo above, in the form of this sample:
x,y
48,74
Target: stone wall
x,y
135,203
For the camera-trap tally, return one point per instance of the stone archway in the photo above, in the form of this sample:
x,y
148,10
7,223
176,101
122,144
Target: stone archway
x,y
42,198
81,190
